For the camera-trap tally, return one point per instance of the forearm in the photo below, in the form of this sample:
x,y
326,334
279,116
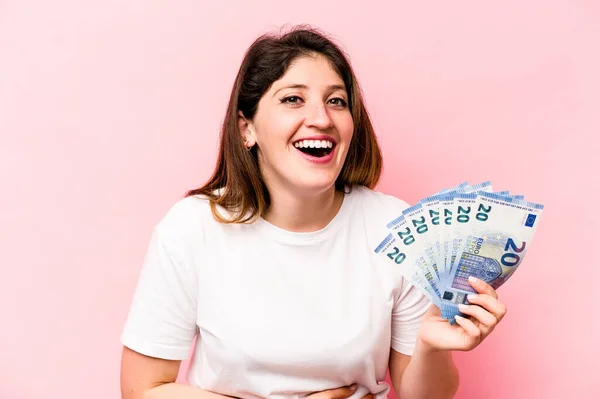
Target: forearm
x,y
180,391
430,374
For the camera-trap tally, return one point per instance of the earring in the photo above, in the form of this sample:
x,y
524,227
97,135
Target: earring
x,y
246,142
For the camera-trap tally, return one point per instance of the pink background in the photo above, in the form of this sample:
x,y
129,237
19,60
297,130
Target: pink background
x,y
109,111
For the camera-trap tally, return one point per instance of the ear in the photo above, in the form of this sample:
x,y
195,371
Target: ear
x,y
246,130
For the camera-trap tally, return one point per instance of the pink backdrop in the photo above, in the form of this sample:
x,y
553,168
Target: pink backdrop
x,y
109,110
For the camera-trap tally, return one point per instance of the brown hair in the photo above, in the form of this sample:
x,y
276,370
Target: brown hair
x,y
236,183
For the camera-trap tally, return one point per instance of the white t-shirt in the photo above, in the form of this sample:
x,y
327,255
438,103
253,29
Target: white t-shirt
x,y
277,313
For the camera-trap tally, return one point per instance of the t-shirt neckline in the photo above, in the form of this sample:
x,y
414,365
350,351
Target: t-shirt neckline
x,y
303,238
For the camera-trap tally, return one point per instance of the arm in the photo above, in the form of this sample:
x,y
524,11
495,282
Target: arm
x,y
161,325
417,368
145,377
428,374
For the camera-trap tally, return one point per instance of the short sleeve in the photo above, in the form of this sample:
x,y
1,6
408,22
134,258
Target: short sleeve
x,y
407,315
162,318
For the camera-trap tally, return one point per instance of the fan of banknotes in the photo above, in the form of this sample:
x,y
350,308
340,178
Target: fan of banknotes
x,y
460,232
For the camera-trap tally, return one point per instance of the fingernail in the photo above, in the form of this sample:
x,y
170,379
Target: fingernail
x,y
471,297
473,279
353,387
462,306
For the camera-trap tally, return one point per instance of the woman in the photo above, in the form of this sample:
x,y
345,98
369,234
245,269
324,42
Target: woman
x,y
270,264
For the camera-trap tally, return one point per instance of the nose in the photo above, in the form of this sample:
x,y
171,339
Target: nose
x,y
318,117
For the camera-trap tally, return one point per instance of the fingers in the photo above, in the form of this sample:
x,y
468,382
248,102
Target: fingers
x,y
472,331
342,393
485,318
490,304
482,287
338,393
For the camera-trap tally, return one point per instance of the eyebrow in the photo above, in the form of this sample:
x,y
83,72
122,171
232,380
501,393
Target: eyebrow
x,y
301,86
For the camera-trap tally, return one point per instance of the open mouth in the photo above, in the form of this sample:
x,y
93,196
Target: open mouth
x,y
315,148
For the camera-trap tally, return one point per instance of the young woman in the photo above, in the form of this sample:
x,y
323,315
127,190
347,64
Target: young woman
x,y
270,264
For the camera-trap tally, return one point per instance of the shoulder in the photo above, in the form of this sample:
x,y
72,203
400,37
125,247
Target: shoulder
x,y
186,223
376,209
378,204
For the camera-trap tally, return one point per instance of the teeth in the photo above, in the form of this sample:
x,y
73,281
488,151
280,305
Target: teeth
x,y
313,144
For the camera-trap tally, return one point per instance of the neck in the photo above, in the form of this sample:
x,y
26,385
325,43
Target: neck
x,y
303,213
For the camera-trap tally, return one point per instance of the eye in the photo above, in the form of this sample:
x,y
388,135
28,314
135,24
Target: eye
x,y
291,100
339,102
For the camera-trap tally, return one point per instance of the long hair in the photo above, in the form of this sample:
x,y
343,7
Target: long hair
x,y
236,183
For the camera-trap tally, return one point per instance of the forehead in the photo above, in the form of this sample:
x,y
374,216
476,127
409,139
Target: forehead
x,y
314,71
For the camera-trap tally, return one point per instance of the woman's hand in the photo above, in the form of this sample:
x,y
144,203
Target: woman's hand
x,y
338,393
438,334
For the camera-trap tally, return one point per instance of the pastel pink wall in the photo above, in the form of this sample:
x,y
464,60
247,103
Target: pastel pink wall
x,y
109,111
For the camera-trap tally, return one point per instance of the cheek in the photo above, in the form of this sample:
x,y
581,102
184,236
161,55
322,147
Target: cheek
x,y
346,127
278,130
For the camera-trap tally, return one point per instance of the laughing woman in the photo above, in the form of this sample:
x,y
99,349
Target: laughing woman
x,y
269,265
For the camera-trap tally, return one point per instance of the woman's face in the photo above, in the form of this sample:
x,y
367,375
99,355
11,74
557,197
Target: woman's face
x,y
303,128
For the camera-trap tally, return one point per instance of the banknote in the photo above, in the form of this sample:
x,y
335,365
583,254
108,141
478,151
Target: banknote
x,y
460,231
405,238
418,220
396,248
451,214
499,237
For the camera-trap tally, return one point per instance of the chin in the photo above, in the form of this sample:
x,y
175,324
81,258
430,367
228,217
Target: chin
x,y
316,185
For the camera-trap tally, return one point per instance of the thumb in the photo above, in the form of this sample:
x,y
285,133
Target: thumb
x,y
434,311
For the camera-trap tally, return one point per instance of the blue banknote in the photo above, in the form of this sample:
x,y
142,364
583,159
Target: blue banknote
x,y
465,230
